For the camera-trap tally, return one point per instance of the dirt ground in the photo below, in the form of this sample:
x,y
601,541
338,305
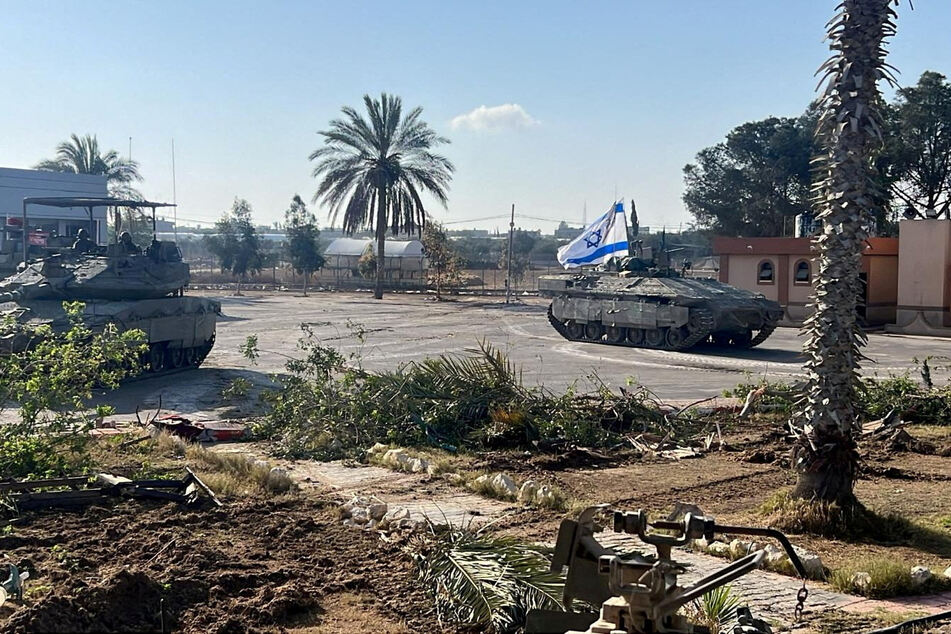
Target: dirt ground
x,y
730,487
281,565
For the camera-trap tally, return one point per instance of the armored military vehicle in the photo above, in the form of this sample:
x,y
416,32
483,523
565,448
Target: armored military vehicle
x,y
644,305
119,284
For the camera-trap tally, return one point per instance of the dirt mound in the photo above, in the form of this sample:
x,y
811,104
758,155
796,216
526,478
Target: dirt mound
x,y
247,567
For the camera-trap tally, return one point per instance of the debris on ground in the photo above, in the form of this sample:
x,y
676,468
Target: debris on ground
x,y
371,513
78,491
663,447
200,430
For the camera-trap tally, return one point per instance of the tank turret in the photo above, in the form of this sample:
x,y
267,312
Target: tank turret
x,y
119,284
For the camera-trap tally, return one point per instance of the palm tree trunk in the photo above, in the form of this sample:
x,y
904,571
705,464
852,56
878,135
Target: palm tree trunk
x,y
826,456
380,239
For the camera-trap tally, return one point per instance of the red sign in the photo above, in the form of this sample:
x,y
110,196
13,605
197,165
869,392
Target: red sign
x,y
14,221
38,238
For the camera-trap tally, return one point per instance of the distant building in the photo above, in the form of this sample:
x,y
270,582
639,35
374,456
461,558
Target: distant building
x,y
404,265
468,233
565,232
46,222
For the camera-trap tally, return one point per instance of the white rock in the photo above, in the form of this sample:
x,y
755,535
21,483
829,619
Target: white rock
x,y
455,479
348,522
720,549
416,465
545,496
395,457
397,514
360,516
739,548
482,479
947,572
775,555
701,544
431,469
504,485
526,494
377,511
262,464
860,580
921,575
812,564
371,525
378,448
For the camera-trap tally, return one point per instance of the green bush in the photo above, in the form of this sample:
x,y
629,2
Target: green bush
x,y
329,406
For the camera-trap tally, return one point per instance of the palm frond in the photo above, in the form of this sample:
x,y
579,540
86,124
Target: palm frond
x,y
487,581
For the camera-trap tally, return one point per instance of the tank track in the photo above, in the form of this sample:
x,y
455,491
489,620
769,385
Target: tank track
x,y
763,333
201,353
702,329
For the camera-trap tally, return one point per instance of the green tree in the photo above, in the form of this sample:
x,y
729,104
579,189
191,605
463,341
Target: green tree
x,y
50,375
443,257
375,170
81,155
849,131
303,240
918,146
236,244
755,182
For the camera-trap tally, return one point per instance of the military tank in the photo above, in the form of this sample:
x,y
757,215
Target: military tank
x,y
118,284
644,305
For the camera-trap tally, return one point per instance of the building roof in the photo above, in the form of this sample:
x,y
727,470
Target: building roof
x,y
792,246
358,246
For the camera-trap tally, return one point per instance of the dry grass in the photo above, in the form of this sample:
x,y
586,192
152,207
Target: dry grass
x,y
889,578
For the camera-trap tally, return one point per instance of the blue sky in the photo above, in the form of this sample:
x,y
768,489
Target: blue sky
x,y
612,96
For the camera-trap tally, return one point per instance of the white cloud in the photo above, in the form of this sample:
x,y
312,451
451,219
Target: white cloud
x,y
508,116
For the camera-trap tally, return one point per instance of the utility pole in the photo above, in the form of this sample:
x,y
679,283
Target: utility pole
x,y
508,261
174,197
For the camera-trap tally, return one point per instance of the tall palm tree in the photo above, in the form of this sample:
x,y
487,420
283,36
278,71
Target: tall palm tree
x,y
849,131
375,169
81,155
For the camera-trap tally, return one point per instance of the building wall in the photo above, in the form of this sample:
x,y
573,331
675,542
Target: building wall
x,y
924,276
741,258
17,184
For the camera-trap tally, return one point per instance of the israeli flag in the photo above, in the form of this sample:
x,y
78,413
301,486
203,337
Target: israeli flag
x,y
605,238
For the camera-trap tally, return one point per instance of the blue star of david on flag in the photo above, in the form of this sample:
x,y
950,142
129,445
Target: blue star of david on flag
x,y
603,239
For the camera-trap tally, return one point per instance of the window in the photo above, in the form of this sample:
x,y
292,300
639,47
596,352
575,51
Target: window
x,y
765,275
802,274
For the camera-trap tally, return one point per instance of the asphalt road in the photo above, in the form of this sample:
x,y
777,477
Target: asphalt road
x,y
408,327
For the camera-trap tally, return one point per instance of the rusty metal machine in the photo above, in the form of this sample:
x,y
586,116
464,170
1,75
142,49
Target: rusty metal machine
x,y
648,304
640,594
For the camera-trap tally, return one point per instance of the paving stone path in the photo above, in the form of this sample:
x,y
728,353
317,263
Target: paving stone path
x,y
769,595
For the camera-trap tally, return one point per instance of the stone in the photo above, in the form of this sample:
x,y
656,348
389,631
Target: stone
x,y
359,516
860,580
526,493
396,458
431,470
397,514
377,511
920,575
504,485
739,548
378,448
947,573
416,465
482,479
545,496
719,549
812,564
701,544
371,525
455,479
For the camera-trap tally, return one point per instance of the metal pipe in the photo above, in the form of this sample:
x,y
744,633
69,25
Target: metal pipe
x,y
24,233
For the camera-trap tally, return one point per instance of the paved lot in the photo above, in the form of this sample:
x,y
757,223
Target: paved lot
x,y
407,327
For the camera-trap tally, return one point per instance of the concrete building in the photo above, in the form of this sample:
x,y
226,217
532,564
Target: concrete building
x,y
782,270
44,223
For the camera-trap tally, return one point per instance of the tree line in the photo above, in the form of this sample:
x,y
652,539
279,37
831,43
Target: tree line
x,y
756,181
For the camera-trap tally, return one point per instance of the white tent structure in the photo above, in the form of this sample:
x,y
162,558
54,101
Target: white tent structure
x,y
404,262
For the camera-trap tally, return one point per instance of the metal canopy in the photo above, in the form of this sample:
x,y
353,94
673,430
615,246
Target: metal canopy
x,y
93,202
89,203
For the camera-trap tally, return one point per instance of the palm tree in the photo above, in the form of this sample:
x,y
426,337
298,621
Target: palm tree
x,y
375,170
81,155
849,131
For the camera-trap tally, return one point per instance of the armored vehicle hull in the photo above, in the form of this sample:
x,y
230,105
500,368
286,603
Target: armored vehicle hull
x,y
663,312
180,330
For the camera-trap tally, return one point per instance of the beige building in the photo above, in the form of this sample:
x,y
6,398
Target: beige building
x,y
782,270
924,277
